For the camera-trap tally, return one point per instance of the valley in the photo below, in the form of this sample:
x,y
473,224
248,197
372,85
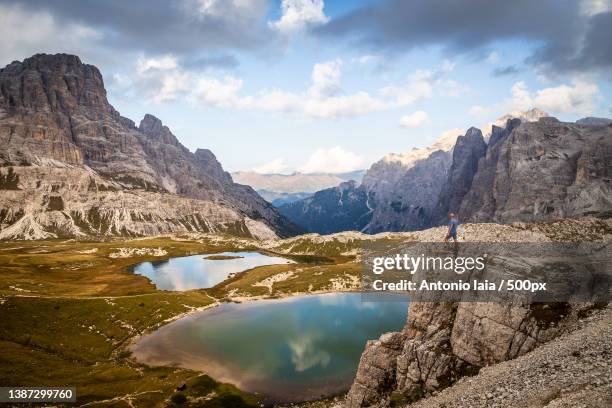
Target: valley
x,y
145,275
71,309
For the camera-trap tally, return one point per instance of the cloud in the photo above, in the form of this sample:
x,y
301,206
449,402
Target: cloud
x,y
333,160
493,57
165,62
415,119
275,166
158,27
478,110
366,59
508,70
26,32
593,7
326,78
580,96
163,79
564,35
422,84
223,61
298,15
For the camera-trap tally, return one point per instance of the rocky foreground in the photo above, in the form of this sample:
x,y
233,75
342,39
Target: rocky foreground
x,y
444,342
571,371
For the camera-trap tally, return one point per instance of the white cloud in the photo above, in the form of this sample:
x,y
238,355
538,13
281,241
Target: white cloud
x,y
275,166
163,79
447,66
326,78
298,15
592,7
414,119
233,11
478,110
419,87
212,91
333,160
165,62
493,57
366,59
357,104
422,84
578,97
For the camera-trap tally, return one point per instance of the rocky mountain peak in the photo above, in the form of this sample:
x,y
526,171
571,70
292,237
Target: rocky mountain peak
x,y
209,163
532,115
593,121
53,83
152,126
472,132
54,111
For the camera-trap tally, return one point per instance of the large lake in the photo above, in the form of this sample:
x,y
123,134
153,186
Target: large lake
x,y
196,271
289,350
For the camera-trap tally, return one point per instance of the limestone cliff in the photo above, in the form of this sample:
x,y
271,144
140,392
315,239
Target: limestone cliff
x,y
528,171
540,171
444,341
56,125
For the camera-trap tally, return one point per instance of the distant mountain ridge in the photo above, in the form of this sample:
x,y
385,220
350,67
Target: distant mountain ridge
x,y
528,171
84,170
280,189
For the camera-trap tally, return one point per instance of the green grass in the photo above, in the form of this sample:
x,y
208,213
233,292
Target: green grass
x,y
69,311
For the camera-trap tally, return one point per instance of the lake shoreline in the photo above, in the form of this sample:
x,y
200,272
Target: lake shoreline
x,y
229,376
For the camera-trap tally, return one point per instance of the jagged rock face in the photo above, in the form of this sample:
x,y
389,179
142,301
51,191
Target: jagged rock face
x,y
540,171
443,341
54,107
400,190
339,208
532,171
58,200
592,121
398,193
408,203
466,154
479,198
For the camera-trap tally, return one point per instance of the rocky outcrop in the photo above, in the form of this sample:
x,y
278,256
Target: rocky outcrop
x,y
540,171
58,200
466,154
572,370
339,208
398,193
480,194
592,121
408,202
442,342
54,114
528,171
445,341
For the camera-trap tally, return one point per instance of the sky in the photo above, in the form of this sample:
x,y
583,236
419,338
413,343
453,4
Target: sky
x,y
321,85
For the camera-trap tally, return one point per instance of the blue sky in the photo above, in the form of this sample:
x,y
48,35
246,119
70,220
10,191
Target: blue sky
x,y
313,85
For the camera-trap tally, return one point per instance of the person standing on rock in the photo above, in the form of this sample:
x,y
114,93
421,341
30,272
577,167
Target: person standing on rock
x,y
453,223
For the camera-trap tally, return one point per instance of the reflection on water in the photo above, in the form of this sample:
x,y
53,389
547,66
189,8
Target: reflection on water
x,y
193,272
293,349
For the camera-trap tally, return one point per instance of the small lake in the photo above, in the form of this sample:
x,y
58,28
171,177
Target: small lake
x,y
289,350
196,271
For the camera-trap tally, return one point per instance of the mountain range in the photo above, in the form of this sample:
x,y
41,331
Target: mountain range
x,y
534,168
281,189
71,165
